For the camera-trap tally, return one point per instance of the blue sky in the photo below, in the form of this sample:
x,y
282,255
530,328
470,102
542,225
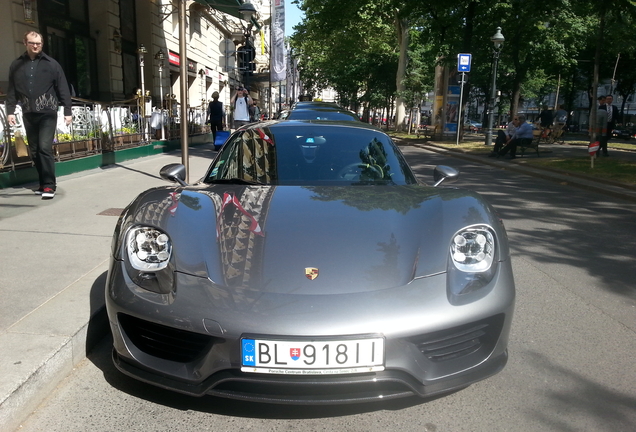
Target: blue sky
x,y
293,16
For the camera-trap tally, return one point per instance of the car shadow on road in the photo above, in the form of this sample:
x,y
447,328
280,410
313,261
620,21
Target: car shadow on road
x,y
98,323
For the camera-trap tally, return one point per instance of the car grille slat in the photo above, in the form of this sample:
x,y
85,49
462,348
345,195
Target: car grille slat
x,y
460,341
165,342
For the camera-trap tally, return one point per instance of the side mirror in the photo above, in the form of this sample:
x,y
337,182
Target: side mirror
x,y
174,172
443,172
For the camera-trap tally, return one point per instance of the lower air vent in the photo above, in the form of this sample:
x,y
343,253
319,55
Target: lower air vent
x,y
460,341
165,342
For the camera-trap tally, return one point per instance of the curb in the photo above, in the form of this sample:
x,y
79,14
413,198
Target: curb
x,y
61,348
42,347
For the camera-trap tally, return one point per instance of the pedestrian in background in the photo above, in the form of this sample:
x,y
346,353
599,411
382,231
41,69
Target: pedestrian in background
x,y
559,123
255,112
215,114
602,134
612,116
37,82
241,102
560,116
545,117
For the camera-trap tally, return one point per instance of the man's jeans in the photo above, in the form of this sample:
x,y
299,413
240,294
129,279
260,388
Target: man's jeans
x,y
40,131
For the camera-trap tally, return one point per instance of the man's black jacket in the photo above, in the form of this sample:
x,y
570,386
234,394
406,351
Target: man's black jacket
x,y
50,88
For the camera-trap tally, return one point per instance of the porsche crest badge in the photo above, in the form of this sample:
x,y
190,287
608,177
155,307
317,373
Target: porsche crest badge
x,y
311,273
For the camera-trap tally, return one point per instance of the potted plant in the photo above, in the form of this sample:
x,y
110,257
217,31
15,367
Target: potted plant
x,y
126,135
62,144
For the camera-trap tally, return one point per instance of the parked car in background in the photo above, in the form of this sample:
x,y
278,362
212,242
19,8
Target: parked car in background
x,y
313,113
315,104
624,133
472,126
310,266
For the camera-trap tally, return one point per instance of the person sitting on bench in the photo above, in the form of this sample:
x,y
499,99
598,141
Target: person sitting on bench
x,y
521,134
503,138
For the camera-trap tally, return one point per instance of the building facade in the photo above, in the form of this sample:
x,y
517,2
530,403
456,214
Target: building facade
x,y
99,44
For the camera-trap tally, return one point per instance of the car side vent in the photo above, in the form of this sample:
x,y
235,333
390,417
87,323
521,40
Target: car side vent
x,y
165,342
460,341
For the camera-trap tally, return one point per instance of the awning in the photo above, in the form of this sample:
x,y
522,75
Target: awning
x,y
230,7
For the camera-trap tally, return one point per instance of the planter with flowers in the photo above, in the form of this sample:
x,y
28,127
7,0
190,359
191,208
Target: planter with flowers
x,y
126,137
68,146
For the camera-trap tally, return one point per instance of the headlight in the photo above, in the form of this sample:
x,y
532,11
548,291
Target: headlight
x,y
473,249
472,264
149,249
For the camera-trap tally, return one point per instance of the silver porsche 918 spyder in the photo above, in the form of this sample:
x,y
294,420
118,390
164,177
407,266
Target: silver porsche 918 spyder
x,y
310,266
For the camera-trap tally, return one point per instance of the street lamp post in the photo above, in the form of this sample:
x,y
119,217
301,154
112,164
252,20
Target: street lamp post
x,y
201,86
160,56
203,97
141,51
248,12
498,41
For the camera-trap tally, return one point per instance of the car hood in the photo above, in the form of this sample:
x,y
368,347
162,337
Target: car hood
x,y
310,240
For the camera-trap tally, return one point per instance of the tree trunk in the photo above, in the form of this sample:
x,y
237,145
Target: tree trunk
x,y
597,62
366,112
516,95
401,26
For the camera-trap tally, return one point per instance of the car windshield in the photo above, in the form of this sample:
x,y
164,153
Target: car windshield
x,y
310,154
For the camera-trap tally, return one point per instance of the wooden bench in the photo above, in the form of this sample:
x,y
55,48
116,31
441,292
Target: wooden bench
x,y
424,131
528,143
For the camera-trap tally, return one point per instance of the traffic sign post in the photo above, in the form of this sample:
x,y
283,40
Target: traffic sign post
x,y
593,148
463,66
463,62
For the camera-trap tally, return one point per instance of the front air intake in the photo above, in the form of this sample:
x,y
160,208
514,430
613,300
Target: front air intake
x,y
165,342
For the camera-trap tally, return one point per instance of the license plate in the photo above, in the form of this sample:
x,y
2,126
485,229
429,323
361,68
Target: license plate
x,y
312,357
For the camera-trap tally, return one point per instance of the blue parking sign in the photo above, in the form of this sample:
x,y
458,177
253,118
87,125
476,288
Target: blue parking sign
x,y
463,62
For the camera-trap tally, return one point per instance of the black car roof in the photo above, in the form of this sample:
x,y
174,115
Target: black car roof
x,y
274,124
307,104
317,113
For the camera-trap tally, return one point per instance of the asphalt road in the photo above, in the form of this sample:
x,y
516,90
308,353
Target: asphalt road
x,y
572,346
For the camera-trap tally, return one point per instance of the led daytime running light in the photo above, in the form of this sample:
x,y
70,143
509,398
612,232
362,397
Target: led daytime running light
x,y
473,249
148,248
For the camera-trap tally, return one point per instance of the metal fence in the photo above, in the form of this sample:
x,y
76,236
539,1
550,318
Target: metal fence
x,y
100,127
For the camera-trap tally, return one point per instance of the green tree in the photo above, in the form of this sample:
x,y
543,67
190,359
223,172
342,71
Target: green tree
x,y
608,11
357,46
352,34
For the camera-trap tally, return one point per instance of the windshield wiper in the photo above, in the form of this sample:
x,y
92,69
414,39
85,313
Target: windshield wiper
x,y
236,180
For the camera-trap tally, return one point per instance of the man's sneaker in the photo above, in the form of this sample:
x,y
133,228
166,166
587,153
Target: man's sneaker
x,y
39,190
48,193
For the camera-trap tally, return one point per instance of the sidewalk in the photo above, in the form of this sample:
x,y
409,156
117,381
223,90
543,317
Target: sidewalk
x,y
56,258
54,266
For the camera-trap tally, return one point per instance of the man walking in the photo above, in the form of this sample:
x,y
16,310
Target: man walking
x,y
255,112
38,84
612,116
241,103
601,127
215,114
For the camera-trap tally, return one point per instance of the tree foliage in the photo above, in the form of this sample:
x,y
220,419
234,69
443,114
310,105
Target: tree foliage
x,y
354,46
